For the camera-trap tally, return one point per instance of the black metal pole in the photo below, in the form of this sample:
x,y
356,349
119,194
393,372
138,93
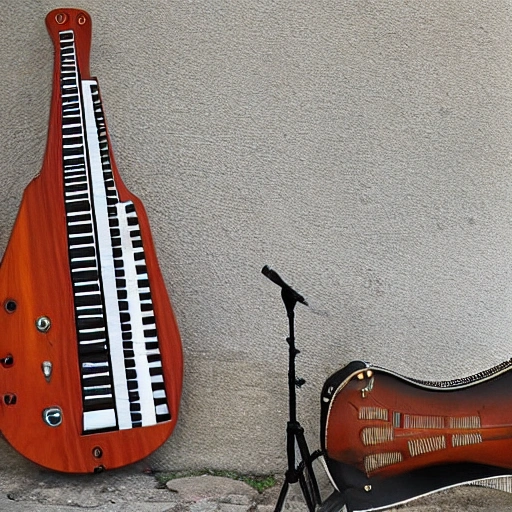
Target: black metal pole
x,y
294,431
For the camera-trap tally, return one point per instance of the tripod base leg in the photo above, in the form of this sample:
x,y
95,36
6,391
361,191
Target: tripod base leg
x,y
282,496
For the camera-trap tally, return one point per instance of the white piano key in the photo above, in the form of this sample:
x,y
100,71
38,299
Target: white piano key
x,y
96,420
105,387
162,409
95,397
91,375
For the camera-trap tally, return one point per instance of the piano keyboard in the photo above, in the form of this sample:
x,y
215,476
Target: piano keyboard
x,y
119,356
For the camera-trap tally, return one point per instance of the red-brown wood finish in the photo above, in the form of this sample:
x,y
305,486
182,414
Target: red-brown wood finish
x,y
35,273
385,425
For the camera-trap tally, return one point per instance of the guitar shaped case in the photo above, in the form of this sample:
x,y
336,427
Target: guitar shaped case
x,y
90,353
388,439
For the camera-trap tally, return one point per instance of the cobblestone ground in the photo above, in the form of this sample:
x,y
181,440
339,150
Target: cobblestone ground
x,y
31,489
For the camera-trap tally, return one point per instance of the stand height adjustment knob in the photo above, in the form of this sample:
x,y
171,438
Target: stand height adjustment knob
x,y
300,382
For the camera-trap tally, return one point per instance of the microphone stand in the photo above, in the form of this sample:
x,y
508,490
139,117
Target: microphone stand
x,y
303,471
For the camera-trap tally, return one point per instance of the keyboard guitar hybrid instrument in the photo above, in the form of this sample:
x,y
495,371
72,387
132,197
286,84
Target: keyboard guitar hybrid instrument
x,y
91,360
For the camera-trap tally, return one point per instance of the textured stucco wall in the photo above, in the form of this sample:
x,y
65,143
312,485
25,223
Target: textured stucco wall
x,y
363,149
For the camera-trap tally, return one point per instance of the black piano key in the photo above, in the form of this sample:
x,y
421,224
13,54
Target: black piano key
x,y
143,283
129,363
145,296
81,240
117,252
65,36
95,370
160,401
90,311
130,208
148,320
115,232
128,345
163,417
82,196
83,252
77,187
91,336
141,269
155,371
135,407
122,294
118,263
76,161
88,300
132,385
135,233
127,336
133,396
131,374
90,323
136,424
111,200
83,276
119,272
146,307
157,386
154,357
77,206
80,218
150,333
75,130
126,327
73,140
79,150
124,317
136,416
97,404
116,242
121,283
128,353
86,351
80,229
102,380
151,345
137,244
90,263
78,288
133,221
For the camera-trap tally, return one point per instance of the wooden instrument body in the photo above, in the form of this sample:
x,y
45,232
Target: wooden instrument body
x,y
35,282
388,438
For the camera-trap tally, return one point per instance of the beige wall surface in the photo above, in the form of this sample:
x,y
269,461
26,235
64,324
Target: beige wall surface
x,y
361,148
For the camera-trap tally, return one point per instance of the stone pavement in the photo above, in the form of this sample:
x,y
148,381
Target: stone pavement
x,y
31,489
